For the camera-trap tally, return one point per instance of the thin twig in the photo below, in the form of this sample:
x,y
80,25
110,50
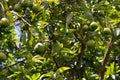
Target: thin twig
x,y
24,20
25,23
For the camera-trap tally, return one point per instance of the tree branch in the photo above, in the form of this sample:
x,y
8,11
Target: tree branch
x,y
4,67
80,54
83,46
104,61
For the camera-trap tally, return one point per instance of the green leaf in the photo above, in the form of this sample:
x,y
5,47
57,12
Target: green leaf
x,y
36,76
37,58
69,18
110,69
49,74
14,75
60,44
59,77
28,77
30,40
23,37
56,47
62,69
67,50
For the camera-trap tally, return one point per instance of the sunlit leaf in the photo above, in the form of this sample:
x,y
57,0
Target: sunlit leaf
x,y
28,77
110,69
37,58
36,76
66,50
49,74
14,74
62,69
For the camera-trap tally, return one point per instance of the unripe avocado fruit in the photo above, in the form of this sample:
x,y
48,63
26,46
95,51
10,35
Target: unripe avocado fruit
x,y
91,43
85,28
17,8
107,31
101,13
2,56
93,26
40,48
4,22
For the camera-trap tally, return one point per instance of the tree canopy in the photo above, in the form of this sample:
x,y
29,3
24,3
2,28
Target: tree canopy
x,y
59,39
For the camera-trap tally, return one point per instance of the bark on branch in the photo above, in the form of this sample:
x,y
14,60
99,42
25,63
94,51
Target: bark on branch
x,y
83,46
80,54
104,61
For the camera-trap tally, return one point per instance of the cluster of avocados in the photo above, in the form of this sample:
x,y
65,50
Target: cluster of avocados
x,y
24,4
93,26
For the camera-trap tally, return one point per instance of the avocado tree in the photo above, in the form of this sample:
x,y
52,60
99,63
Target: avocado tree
x,y
59,39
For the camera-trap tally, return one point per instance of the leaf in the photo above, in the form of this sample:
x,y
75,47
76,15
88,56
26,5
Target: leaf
x,y
28,77
110,69
55,1
59,77
69,18
60,44
72,30
30,40
62,69
23,37
37,58
49,74
9,15
66,50
56,48
13,75
10,55
88,15
35,76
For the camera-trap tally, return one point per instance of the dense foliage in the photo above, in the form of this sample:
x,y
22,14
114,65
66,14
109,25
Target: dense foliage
x,y
59,39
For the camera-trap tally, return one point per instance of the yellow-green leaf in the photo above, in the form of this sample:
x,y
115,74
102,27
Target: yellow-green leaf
x,y
62,69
